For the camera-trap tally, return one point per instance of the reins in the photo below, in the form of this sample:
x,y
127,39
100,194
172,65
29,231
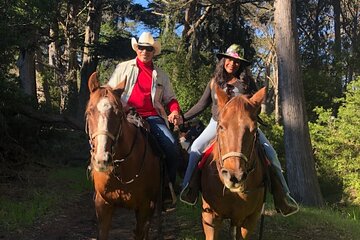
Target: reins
x,y
127,155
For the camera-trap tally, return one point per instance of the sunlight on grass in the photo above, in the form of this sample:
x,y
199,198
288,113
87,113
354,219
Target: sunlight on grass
x,y
320,224
324,223
75,178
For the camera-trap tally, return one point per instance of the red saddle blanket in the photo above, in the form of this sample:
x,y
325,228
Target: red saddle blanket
x,y
205,155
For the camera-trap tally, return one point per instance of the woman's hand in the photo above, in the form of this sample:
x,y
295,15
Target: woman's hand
x,y
175,118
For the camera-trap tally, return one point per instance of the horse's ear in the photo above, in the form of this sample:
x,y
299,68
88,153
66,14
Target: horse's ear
x,y
222,97
258,97
93,83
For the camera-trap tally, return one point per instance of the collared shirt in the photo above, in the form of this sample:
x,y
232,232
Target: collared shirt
x,y
161,90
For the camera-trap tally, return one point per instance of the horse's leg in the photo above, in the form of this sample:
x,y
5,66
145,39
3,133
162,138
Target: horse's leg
x,y
104,213
211,223
143,217
248,227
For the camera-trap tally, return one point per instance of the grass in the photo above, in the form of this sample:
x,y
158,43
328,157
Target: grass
x,y
34,200
16,214
310,223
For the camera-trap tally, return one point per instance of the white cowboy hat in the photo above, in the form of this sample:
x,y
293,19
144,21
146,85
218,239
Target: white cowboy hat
x,y
146,39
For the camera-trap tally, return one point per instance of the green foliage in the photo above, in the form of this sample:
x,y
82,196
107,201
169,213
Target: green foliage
x,y
325,87
337,143
324,69
188,78
114,43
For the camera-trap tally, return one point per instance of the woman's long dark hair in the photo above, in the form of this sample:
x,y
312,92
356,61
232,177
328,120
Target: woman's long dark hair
x,y
243,73
220,72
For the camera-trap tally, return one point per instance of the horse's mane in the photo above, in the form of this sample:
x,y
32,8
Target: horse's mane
x,y
240,103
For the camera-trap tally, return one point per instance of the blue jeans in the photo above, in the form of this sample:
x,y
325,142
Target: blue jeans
x,y
197,148
166,140
272,156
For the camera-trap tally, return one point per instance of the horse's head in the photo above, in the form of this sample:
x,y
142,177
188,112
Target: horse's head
x,y
104,116
236,137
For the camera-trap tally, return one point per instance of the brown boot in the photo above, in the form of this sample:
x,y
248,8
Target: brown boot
x,y
190,193
281,204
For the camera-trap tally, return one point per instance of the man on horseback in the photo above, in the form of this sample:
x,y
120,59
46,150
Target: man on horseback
x,y
147,88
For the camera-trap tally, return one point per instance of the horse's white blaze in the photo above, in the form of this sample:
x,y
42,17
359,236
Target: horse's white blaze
x,y
103,107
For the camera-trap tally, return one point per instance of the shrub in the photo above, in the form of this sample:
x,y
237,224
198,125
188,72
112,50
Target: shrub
x,y
336,140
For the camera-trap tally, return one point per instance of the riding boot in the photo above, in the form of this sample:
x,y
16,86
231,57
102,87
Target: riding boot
x,y
279,195
190,193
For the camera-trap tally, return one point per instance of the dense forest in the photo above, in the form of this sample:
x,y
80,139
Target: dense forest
x,y
305,52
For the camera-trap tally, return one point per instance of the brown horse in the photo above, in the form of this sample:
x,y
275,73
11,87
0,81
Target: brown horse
x,y
233,179
124,167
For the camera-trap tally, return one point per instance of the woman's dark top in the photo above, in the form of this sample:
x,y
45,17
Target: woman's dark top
x,y
244,85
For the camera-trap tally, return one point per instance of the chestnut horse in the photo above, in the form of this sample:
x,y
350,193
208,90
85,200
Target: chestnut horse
x,y
232,181
124,167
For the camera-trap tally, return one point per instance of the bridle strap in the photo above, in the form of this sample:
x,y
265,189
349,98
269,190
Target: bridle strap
x,y
106,133
234,154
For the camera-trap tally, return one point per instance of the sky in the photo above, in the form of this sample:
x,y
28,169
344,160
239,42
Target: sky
x,y
141,28
142,2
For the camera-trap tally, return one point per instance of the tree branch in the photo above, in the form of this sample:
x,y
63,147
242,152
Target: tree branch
x,y
199,21
51,118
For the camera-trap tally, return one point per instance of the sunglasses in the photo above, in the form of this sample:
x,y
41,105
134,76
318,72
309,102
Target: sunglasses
x,y
147,48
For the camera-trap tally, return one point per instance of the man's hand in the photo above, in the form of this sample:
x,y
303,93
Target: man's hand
x,y
175,118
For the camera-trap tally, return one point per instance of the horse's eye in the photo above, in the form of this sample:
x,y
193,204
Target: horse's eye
x,y
221,127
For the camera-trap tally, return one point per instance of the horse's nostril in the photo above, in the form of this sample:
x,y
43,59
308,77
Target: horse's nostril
x,y
234,179
225,173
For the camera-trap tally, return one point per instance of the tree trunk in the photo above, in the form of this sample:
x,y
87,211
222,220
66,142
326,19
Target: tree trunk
x,y
26,65
300,166
89,60
71,35
277,110
337,25
338,73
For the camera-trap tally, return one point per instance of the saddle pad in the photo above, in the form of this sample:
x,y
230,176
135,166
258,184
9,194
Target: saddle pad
x,y
205,155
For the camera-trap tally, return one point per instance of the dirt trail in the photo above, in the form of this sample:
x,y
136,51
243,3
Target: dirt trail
x,y
77,221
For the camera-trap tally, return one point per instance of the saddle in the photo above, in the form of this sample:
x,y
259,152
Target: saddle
x,y
134,117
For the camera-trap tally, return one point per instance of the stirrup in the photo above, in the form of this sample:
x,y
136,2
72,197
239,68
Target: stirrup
x,y
295,203
184,200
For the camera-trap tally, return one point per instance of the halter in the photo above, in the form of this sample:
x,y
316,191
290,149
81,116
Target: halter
x,y
239,155
236,154
116,162
114,139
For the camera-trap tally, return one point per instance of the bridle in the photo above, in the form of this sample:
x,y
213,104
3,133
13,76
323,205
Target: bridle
x,y
240,155
237,154
115,138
